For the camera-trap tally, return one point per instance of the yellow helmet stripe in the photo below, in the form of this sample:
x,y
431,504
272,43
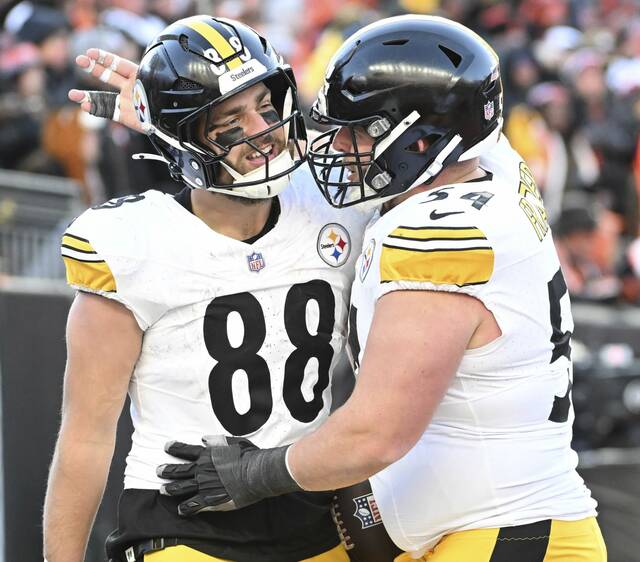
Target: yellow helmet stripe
x,y
217,41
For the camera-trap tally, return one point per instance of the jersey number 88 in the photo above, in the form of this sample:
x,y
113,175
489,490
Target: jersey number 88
x,y
246,356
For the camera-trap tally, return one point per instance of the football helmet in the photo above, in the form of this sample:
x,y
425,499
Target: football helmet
x,y
400,80
189,69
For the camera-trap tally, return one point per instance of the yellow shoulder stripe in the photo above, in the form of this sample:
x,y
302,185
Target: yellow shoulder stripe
x,y
463,266
78,244
438,233
217,41
94,275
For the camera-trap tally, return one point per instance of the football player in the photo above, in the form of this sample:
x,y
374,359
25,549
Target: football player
x,y
460,323
220,310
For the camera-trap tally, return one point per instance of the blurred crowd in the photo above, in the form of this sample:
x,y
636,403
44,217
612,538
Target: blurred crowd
x,y
571,71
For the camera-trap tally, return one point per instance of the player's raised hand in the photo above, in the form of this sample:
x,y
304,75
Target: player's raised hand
x,y
117,72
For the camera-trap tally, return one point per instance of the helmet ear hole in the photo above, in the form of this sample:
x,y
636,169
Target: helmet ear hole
x,y
454,57
421,145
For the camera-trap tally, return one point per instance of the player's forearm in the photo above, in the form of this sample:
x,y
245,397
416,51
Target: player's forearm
x,y
347,449
76,483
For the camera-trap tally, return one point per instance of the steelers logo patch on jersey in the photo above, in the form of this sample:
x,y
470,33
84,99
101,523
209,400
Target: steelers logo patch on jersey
x,y
334,244
140,103
367,258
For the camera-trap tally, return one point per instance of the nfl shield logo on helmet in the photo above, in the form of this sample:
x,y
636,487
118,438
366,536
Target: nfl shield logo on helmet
x,y
488,110
256,262
367,511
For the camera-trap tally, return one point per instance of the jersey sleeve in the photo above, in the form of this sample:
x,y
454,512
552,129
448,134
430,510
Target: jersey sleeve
x,y
100,258
437,258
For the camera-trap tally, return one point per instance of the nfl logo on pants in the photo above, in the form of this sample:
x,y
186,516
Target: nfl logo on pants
x,y
255,261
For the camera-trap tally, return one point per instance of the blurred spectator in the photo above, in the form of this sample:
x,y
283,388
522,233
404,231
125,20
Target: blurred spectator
x,y
553,49
132,18
545,132
520,73
347,20
22,108
48,29
576,238
623,75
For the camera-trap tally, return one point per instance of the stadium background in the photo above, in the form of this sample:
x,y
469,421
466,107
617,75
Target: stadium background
x,y
571,70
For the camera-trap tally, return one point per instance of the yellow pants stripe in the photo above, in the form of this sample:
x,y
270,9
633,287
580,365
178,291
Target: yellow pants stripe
x,y
568,541
185,554
217,41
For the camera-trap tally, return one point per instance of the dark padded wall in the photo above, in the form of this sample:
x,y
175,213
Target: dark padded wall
x,y
32,359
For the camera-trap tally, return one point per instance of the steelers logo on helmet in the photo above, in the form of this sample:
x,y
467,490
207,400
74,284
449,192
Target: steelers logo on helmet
x,y
334,244
140,103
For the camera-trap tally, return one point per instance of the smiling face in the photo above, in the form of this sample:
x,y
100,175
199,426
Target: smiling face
x,y
243,115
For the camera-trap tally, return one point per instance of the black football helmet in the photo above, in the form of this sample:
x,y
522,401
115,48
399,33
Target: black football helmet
x,y
403,79
191,67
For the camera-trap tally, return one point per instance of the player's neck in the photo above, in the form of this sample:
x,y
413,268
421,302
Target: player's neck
x,y
458,173
231,216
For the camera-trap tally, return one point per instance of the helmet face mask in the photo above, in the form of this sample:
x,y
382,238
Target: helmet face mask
x,y
427,91
202,64
342,175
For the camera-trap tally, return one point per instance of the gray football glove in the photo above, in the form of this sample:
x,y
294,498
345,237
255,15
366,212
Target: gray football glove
x,y
227,473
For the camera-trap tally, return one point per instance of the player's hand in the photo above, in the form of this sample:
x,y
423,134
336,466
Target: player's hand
x,y
227,473
116,72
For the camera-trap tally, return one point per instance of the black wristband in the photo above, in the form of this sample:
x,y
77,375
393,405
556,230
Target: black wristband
x,y
261,473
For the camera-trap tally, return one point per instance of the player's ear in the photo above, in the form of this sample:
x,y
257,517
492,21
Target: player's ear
x,y
420,146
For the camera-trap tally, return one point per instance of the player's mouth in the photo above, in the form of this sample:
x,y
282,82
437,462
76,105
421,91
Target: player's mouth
x,y
354,172
257,157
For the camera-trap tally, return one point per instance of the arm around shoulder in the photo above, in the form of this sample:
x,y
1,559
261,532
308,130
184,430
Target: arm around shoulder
x,y
103,345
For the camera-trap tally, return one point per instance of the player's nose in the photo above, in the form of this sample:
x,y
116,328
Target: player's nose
x,y
256,123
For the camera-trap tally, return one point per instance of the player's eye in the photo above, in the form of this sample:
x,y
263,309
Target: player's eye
x,y
234,121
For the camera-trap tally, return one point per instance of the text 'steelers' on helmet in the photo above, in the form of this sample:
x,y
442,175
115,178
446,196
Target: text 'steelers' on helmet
x,y
191,68
400,80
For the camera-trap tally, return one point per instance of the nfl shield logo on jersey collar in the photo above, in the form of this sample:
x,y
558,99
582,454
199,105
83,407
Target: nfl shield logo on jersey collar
x,y
255,261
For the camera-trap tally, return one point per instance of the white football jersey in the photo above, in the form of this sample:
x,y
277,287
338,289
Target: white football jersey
x,y
497,451
239,339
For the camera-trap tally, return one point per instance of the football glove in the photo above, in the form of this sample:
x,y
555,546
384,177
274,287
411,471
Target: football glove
x,y
226,473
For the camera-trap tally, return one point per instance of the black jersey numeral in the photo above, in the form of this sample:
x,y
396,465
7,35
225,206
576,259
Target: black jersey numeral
x,y
561,341
310,343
